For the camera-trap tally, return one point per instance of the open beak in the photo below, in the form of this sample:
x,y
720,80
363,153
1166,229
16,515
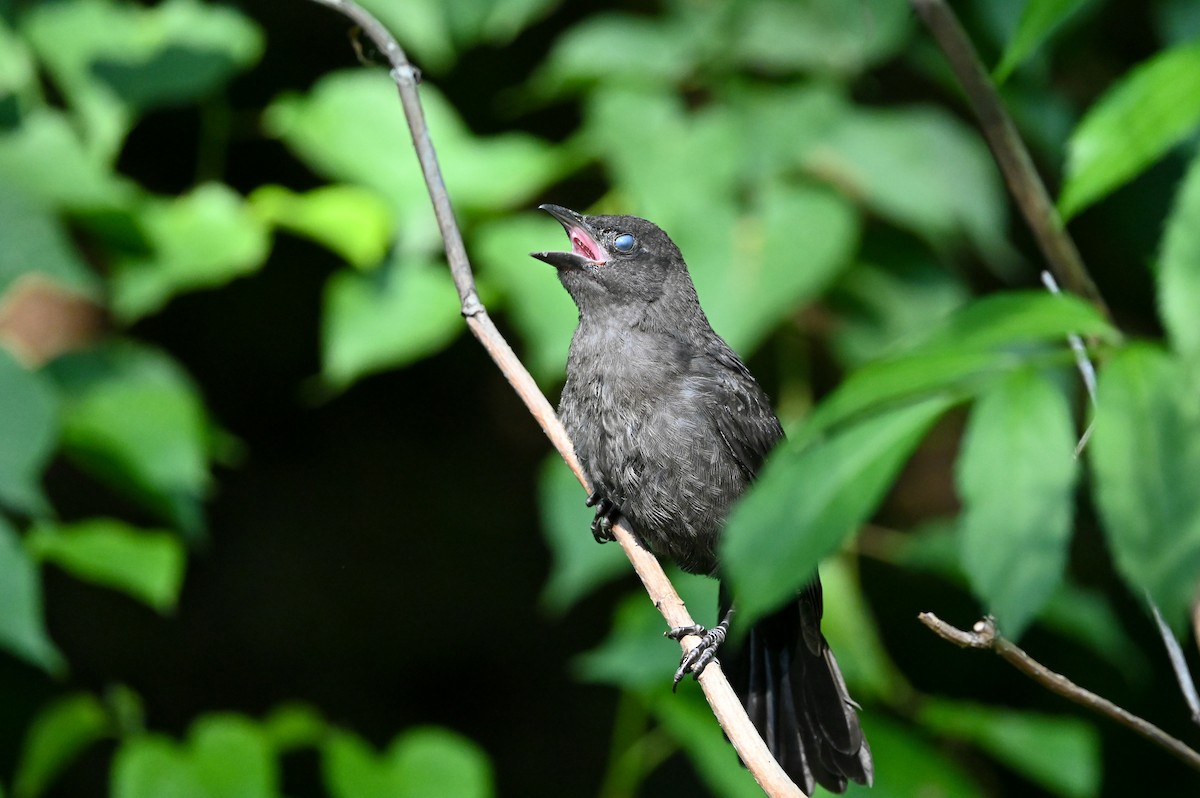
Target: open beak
x,y
585,249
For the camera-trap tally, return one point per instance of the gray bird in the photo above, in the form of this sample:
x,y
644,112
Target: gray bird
x,y
670,428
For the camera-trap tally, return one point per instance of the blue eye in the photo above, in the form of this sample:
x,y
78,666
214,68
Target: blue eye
x,y
623,243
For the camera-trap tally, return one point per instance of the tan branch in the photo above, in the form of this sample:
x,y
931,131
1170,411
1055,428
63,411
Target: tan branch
x,y
721,698
985,635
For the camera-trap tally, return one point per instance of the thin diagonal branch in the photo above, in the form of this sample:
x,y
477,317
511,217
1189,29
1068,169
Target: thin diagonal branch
x,y
1009,151
721,698
985,635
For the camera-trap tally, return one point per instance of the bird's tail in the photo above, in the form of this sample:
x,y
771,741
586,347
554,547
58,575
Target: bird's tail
x,y
793,691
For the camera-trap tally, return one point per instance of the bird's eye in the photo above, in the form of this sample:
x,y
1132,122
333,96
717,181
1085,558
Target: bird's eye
x,y
623,243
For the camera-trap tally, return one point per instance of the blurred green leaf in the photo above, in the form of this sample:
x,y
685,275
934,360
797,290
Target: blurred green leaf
x,y
152,766
920,169
225,755
616,47
421,762
580,565
1179,268
354,222
1087,617
1177,21
1060,753
907,765
1016,476
17,69
884,303
201,239
436,32
1147,111
1145,453
534,299
818,36
293,725
786,256
55,738
146,564
966,350
22,627
232,756
133,419
370,322
36,242
1039,20
111,58
348,127
777,534
28,430
45,159
689,720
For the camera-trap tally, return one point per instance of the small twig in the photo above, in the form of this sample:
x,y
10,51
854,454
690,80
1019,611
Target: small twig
x,y
724,702
1086,370
1009,151
1178,662
985,635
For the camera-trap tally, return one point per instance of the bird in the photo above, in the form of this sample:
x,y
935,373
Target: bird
x,y
670,428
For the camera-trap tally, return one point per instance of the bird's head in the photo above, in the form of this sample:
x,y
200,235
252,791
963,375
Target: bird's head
x,y
614,260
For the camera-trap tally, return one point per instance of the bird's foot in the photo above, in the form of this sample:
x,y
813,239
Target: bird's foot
x,y
696,660
606,512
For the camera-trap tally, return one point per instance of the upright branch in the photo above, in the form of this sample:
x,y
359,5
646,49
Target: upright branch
x,y
1009,151
985,635
721,698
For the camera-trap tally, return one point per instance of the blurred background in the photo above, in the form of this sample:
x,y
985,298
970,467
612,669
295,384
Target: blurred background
x,y
272,524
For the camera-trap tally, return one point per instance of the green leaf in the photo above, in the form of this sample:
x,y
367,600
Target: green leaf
x,y
1147,112
17,70
421,762
1145,453
818,36
36,242
689,720
199,240
28,430
1016,475
294,725
1039,20
22,627
152,766
800,239
966,351
907,764
44,158
60,732
777,534
225,755
1060,753
921,169
853,633
580,565
349,126
109,58
134,420
616,47
1179,268
354,222
398,314
539,307
232,757
146,564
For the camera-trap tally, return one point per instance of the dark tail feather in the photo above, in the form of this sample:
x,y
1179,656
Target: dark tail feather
x,y
793,691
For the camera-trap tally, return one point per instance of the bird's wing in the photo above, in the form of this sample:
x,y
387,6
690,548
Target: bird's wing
x,y
742,413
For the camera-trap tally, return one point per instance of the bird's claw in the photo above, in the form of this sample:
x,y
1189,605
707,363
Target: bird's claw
x,y
696,660
602,523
